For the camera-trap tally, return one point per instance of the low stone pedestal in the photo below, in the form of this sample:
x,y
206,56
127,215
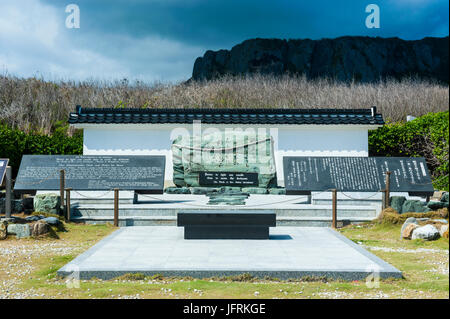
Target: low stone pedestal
x,y
226,224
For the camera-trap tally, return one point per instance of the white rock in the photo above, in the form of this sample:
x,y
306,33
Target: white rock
x,y
427,232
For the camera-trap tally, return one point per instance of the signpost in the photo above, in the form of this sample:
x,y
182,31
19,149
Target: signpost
x,y
3,165
91,172
228,179
5,170
356,174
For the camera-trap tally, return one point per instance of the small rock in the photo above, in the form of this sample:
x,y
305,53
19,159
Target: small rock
x,y
444,228
408,221
408,230
34,218
20,230
51,220
3,230
39,228
427,232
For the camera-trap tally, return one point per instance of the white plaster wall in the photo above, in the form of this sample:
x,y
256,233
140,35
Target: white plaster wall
x,y
309,140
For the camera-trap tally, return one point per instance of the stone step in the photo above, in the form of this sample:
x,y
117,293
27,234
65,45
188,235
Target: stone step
x,y
301,211
172,221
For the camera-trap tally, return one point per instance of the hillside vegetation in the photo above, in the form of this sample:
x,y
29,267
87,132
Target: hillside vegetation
x,y
36,105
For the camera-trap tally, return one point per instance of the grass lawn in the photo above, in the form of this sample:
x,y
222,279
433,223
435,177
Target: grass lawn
x,y
28,270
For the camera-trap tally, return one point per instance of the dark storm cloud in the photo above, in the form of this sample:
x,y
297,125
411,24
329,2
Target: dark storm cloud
x,y
222,23
160,39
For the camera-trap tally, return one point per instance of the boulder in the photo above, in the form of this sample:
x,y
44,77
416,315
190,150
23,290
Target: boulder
x,y
47,203
39,228
16,206
409,221
408,230
14,220
437,205
34,218
427,232
20,230
445,198
27,204
51,221
414,206
396,202
3,230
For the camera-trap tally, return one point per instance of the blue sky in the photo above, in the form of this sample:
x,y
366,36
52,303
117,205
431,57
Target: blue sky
x,y
159,40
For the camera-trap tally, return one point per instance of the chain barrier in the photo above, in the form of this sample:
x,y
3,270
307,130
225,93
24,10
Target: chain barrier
x,y
89,197
348,196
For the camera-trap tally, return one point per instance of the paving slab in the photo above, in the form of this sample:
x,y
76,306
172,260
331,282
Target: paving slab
x,y
290,252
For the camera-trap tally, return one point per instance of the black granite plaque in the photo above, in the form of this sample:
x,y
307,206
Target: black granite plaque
x,y
226,224
92,172
356,174
3,164
228,179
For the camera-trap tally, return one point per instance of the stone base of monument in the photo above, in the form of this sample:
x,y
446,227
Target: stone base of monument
x,y
226,224
151,210
290,252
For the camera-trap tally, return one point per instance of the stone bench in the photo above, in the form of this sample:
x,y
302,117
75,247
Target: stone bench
x,y
226,224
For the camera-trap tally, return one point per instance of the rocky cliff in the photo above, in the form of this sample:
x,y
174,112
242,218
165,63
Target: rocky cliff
x,y
363,59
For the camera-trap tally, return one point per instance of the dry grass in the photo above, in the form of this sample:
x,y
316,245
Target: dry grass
x,y
36,104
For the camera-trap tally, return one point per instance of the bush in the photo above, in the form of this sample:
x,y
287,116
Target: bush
x,y
15,143
426,136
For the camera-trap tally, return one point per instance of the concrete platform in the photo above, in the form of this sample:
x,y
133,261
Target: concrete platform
x,y
290,252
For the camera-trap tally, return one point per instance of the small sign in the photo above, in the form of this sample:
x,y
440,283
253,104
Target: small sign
x,y
92,172
356,174
3,164
228,179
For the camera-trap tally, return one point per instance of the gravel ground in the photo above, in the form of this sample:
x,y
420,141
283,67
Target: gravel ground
x,y
439,258
16,263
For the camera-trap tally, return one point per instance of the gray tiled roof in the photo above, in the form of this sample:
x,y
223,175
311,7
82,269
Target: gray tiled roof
x,y
226,116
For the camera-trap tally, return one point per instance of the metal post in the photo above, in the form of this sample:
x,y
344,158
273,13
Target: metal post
x,y
62,184
8,192
116,207
334,209
68,204
388,190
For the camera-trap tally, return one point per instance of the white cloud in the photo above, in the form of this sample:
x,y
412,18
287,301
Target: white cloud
x,y
34,40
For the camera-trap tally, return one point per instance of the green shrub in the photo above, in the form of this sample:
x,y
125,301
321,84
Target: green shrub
x,y
427,136
15,143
